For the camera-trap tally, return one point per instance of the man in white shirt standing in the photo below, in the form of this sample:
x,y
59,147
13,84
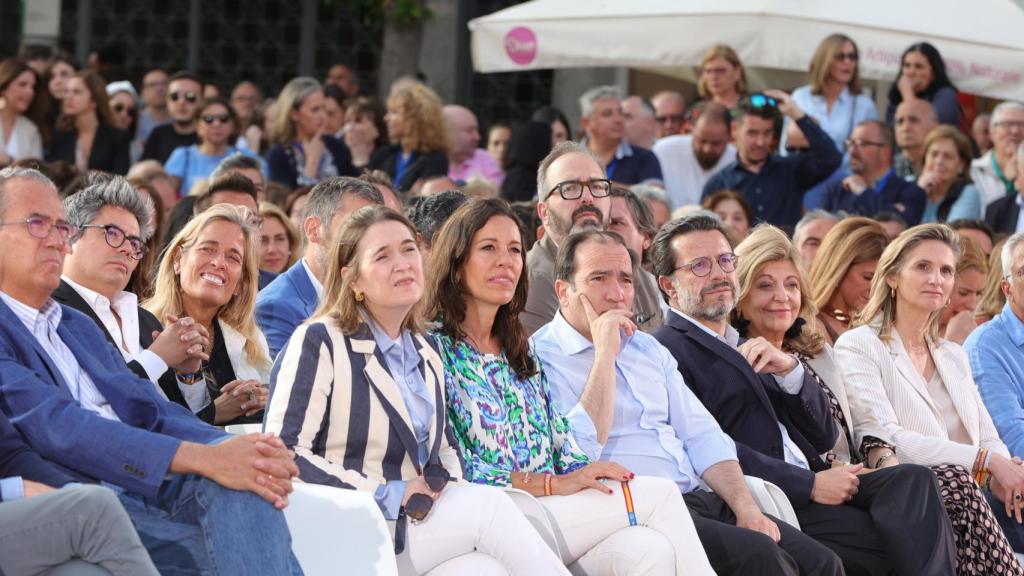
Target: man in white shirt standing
x,y
688,162
113,222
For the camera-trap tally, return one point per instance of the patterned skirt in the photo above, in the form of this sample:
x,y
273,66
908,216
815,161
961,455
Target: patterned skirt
x,y
981,547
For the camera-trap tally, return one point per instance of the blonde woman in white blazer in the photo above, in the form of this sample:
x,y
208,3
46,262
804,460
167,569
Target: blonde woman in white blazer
x,y
919,386
358,394
774,303
209,273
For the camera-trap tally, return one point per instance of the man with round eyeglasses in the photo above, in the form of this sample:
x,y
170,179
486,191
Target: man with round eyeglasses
x,y
572,196
111,222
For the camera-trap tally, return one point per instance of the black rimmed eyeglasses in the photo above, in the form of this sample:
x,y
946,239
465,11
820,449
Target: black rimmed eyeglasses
x,y
573,189
702,266
116,238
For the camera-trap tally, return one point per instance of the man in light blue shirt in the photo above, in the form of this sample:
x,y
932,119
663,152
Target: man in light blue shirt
x,y
633,408
996,352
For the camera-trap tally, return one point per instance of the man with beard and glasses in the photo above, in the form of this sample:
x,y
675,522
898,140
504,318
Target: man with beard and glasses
x,y
572,195
688,162
627,403
871,185
780,418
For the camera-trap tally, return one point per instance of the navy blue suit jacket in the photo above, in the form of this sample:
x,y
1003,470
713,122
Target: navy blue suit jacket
x,y
896,190
17,459
284,304
750,406
134,453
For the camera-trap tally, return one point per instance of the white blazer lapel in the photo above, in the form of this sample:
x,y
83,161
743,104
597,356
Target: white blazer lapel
x,y
907,371
234,342
381,380
955,381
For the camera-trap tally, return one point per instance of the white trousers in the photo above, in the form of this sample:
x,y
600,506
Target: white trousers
x,y
595,538
475,529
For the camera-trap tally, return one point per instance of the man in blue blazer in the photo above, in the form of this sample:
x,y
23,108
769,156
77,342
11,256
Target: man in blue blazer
x,y
192,491
871,185
781,420
42,527
294,295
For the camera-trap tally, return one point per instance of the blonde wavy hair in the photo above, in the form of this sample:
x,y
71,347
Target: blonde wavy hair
x,y
339,303
764,245
880,311
824,56
852,241
239,311
425,129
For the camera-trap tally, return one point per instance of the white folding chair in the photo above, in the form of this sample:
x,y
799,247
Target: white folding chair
x,y
772,500
336,531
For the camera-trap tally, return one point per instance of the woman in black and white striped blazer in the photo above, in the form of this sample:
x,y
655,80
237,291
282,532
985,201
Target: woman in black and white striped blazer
x,y
358,394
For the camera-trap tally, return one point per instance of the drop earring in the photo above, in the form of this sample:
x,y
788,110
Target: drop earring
x,y
358,296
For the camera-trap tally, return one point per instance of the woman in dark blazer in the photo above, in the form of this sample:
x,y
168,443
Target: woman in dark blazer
x,y
419,138
302,154
85,135
358,394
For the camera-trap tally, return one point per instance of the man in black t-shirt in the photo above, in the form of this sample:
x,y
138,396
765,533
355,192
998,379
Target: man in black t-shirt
x,y
184,97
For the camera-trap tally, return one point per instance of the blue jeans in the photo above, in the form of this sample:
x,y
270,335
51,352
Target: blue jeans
x,y
1014,532
196,526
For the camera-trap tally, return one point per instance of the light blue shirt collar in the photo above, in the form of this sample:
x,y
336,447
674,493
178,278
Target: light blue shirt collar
x,y
1014,326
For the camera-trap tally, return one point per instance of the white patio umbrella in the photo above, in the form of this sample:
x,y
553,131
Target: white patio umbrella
x,y
982,41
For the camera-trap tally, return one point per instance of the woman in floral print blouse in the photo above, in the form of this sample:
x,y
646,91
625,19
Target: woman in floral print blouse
x,y
510,432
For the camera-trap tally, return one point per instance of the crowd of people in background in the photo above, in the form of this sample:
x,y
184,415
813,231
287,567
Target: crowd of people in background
x,y
619,313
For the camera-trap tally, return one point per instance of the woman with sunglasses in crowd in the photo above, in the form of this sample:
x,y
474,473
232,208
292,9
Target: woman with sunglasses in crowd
x,y
834,97
86,133
509,430
124,107
358,394
215,127
22,112
923,76
209,272
773,303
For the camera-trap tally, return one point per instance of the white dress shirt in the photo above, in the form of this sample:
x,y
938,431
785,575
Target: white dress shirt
x,y
791,383
42,323
683,176
126,332
317,286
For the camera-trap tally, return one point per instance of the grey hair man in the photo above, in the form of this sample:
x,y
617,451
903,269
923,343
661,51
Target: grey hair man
x,y
572,195
113,222
605,127
809,233
638,115
294,295
657,200
249,166
1006,129
914,119
1003,215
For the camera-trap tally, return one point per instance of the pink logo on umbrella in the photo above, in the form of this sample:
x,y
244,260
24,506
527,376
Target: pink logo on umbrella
x,y
521,45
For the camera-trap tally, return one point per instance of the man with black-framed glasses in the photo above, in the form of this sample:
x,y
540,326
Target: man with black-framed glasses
x,y
184,96
871,185
572,195
113,222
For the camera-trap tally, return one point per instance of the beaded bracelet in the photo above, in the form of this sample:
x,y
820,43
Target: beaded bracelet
x,y
980,469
